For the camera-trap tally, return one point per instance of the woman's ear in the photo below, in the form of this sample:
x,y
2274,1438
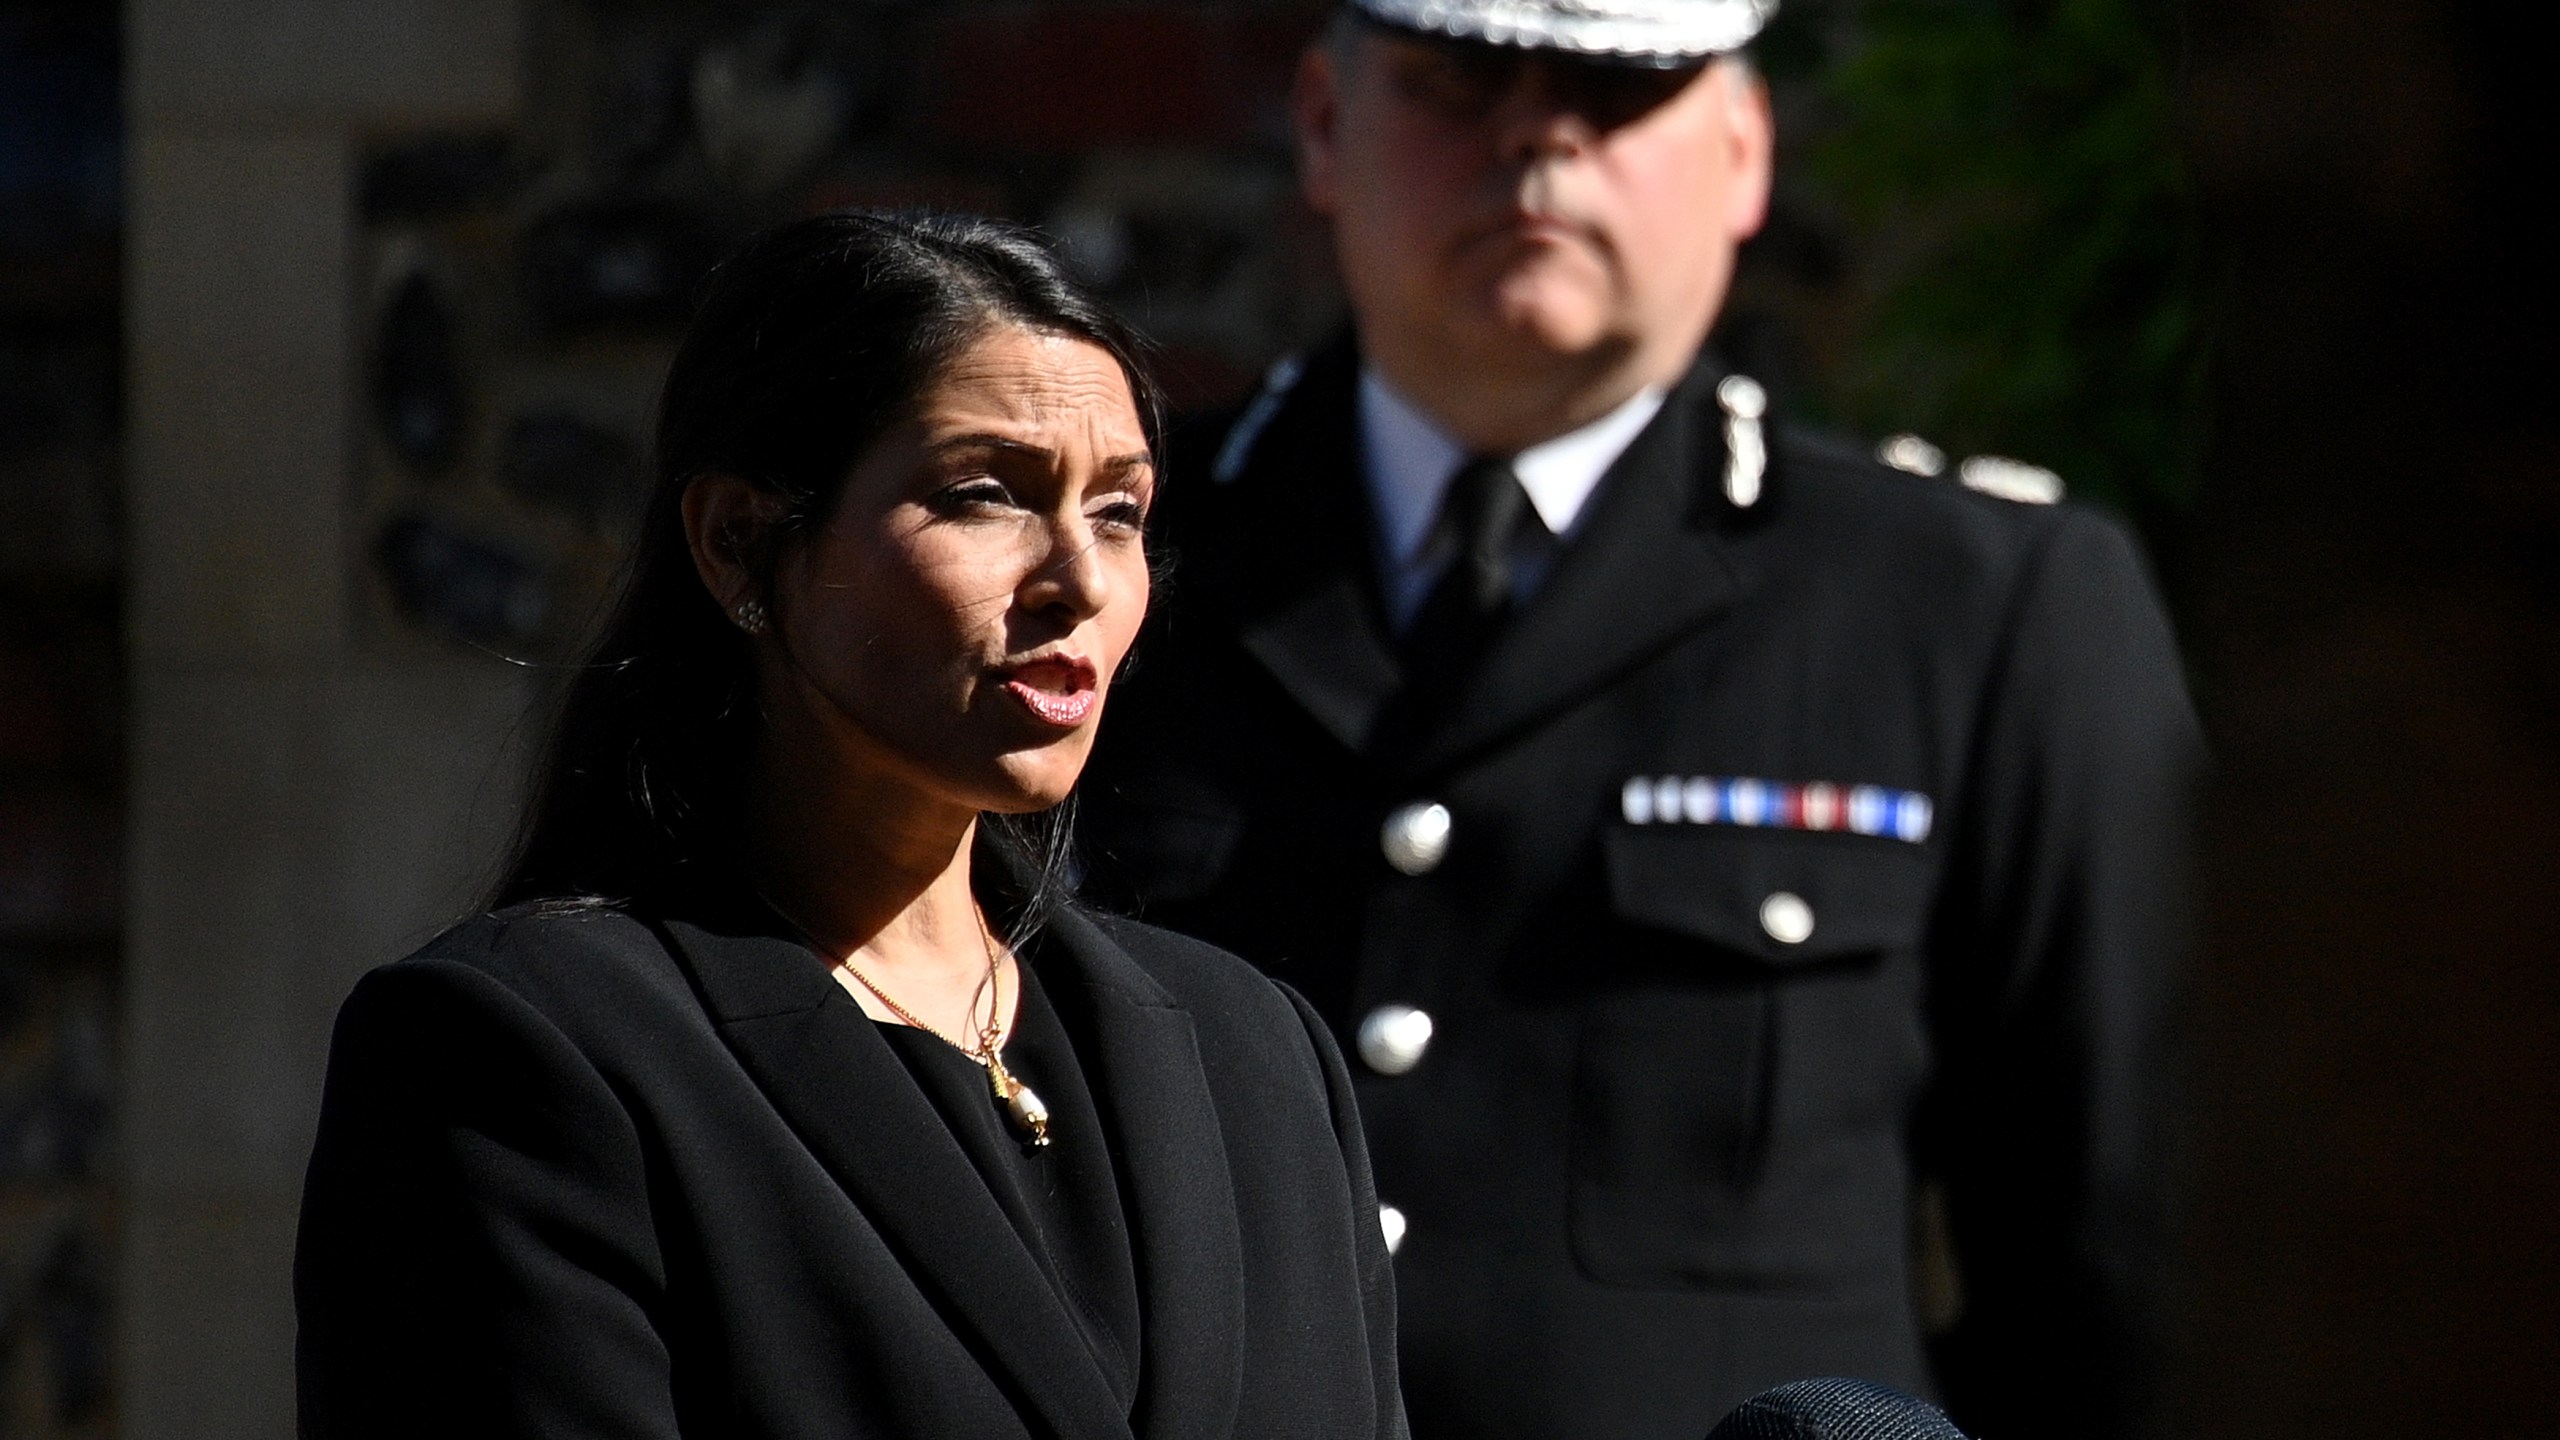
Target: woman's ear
x,y
729,525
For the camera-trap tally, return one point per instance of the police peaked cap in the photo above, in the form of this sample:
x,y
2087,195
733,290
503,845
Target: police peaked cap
x,y
1659,33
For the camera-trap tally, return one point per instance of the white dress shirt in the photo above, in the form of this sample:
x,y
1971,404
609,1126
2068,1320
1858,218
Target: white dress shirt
x,y
1410,462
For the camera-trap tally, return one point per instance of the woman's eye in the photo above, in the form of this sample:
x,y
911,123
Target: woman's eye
x,y
971,497
1123,513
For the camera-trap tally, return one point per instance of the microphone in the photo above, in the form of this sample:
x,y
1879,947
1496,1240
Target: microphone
x,y
1834,1409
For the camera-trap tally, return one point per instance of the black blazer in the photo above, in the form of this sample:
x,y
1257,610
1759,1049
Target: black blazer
x,y
1663,1149
590,1175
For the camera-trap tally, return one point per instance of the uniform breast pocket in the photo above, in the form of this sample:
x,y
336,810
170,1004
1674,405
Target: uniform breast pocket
x,y
1742,1073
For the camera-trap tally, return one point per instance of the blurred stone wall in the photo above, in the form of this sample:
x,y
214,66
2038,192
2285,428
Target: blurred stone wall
x,y
308,797
60,759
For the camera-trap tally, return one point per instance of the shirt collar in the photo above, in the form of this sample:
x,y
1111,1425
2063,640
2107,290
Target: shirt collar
x,y
1411,461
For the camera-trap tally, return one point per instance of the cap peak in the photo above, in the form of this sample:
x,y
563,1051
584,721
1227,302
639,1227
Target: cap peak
x,y
1656,32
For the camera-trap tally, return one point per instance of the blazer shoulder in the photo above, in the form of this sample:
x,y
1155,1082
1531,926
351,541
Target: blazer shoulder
x,y
583,968
1248,1023
1234,1003
1194,973
541,935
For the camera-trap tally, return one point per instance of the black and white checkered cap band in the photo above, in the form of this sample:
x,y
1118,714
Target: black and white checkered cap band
x,y
1660,32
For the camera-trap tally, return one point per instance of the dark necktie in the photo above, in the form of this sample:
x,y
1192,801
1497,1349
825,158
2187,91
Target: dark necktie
x,y
1480,520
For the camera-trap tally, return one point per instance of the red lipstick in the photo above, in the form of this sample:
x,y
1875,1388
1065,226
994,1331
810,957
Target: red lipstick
x,y
1060,690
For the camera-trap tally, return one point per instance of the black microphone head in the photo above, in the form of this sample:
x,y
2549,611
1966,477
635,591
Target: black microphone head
x,y
1834,1409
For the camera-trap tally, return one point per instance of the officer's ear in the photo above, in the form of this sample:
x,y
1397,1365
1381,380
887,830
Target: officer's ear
x,y
1749,135
1315,104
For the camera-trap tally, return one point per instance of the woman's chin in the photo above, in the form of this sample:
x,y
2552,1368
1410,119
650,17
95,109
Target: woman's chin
x,y
1035,780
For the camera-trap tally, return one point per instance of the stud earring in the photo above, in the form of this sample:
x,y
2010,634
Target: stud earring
x,y
751,617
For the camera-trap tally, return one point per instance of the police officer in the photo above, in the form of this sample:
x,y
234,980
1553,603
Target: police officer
x,y
1717,848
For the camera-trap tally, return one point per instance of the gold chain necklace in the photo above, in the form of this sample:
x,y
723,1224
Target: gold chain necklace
x,y
1021,1103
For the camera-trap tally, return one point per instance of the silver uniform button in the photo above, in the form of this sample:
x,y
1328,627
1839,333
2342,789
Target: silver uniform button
x,y
1391,1225
1393,1038
1742,397
1416,837
1786,918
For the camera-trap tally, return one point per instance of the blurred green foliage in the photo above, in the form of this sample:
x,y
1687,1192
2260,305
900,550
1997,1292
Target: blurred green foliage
x,y
2009,186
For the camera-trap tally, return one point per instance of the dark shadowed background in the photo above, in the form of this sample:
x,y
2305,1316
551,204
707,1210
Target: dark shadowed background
x,y
327,336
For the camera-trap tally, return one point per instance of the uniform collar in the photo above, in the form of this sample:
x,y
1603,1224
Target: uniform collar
x,y
1410,460
1298,579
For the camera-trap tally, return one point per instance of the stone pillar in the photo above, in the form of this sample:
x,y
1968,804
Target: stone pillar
x,y
303,806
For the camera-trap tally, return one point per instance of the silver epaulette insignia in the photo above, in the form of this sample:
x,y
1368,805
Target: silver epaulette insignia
x,y
1909,453
1994,475
2008,479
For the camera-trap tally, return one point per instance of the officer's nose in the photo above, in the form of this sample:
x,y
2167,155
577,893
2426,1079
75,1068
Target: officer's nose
x,y
1537,119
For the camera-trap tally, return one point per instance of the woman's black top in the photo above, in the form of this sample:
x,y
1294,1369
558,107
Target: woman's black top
x,y
1064,1197
656,1175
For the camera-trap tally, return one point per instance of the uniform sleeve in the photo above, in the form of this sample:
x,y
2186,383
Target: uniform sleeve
x,y
476,1255
1377,1271
2055,966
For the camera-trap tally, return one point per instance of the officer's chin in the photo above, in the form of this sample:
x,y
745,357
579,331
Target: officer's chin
x,y
1549,305
1547,333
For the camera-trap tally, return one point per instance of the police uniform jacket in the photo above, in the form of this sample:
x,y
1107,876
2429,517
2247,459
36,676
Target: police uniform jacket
x,y
612,1174
1697,1036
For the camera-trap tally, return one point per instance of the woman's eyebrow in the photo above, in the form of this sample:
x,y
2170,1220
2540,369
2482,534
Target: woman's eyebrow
x,y
977,440
1135,460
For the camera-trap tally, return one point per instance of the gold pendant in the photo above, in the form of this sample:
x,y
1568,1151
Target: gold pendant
x,y
1021,1103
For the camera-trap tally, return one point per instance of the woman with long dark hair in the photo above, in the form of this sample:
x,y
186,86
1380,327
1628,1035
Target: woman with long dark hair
x,y
787,1091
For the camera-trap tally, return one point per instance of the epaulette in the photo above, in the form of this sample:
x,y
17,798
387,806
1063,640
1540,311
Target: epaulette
x,y
1257,413
1995,475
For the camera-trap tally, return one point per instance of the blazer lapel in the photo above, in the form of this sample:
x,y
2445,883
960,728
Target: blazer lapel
x,y
1298,577
850,1100
1154,1094
1647,568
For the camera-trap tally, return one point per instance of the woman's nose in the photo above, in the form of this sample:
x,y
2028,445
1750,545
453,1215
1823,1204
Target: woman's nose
x,y
1071,577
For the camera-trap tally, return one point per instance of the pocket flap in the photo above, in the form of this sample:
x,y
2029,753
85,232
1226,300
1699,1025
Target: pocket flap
x,y
1780,896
